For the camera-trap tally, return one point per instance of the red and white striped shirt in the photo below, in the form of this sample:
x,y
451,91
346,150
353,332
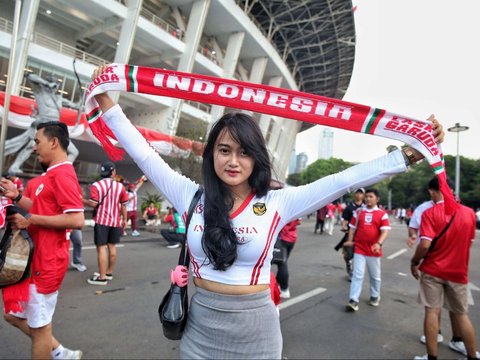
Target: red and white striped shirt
x,y
114,195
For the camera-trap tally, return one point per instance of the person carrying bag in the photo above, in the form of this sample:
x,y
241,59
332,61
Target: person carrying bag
x,y
173,310
16,252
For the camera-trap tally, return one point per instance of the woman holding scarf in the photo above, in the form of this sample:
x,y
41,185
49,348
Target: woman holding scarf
x,y
235,224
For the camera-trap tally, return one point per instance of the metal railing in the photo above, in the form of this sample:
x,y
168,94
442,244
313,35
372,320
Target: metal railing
x,y
58,46
170,28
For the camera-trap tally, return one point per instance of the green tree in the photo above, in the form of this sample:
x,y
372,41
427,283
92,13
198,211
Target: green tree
x,y
322,168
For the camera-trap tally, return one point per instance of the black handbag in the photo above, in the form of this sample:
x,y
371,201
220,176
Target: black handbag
x,y
16,252
173,310
279,253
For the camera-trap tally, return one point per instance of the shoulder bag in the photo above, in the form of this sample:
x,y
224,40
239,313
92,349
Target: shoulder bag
x,y
16,252
279,253
173,310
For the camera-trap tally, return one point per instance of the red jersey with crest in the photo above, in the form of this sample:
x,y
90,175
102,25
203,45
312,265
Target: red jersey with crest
x,y
53,193
258,221
368,225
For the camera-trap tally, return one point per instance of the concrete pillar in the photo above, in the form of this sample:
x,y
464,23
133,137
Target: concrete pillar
x,y
193,34
284,147
28,16
256,73
265,119
235,42
127,35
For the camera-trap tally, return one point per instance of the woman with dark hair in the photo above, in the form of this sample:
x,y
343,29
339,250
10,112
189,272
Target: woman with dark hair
x,y
233,229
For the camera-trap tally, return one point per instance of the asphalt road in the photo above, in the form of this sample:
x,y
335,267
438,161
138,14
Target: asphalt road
x,y
122,321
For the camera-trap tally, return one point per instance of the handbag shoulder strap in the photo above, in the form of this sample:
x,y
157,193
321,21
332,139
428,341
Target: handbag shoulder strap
x,y
434,241
184,258
104,196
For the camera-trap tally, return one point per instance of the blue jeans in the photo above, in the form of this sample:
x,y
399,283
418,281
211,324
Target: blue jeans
x,y
76,239
374,272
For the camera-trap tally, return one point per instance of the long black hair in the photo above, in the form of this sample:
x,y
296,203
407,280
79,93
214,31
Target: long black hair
x,y
219,241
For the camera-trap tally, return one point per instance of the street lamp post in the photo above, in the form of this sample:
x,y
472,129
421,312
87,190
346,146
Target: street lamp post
x,y
457,128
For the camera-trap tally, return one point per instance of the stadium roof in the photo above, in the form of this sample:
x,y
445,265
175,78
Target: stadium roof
x,y
316,39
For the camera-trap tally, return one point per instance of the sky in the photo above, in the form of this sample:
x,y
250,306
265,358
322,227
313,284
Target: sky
x,y
413,58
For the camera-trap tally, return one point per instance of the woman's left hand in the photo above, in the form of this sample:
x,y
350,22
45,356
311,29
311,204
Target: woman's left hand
x,y
437,129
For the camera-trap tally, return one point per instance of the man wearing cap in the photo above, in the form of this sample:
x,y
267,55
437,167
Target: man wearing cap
x,y
108,197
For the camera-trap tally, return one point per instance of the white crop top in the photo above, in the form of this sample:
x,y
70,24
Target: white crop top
x,y
259,220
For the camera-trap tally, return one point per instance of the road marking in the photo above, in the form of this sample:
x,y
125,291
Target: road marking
x,y
94,247
395,254
300,298
473,287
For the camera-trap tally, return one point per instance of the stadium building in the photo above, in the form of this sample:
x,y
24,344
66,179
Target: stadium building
x,y
306,45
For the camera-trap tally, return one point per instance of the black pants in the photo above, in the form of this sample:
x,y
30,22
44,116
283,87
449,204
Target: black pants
x,y
282,273
319,224
171,236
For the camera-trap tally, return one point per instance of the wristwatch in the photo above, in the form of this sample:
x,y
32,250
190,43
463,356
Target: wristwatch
x,y
409,156
17,198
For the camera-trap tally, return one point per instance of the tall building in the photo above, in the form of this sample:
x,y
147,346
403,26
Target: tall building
x,y
307,46
325,146
301,165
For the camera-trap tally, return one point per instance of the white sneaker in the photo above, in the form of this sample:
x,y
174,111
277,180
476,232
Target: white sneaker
x,y
458,346
285,294
423,339
107,276
80,267
173,246
95,280
135,233
71,354
421,357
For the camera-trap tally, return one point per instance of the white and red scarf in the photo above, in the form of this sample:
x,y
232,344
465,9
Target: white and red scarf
x,y
264,99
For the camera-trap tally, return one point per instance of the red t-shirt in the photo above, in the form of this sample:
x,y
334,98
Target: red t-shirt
x,y
369,224
113,195
4,202
18,183
53,193
450,255
331,210
289,231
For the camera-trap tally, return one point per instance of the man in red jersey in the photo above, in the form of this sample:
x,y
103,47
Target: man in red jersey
x,y
369,228
442,256
110,199
54,205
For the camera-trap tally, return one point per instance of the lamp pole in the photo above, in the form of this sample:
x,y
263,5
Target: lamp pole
x,y
457,128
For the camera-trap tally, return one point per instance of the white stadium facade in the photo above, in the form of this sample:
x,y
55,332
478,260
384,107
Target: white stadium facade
x,y
306,45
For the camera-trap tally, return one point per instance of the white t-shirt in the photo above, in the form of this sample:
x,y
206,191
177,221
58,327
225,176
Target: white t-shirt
x,y
417,214
259,220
